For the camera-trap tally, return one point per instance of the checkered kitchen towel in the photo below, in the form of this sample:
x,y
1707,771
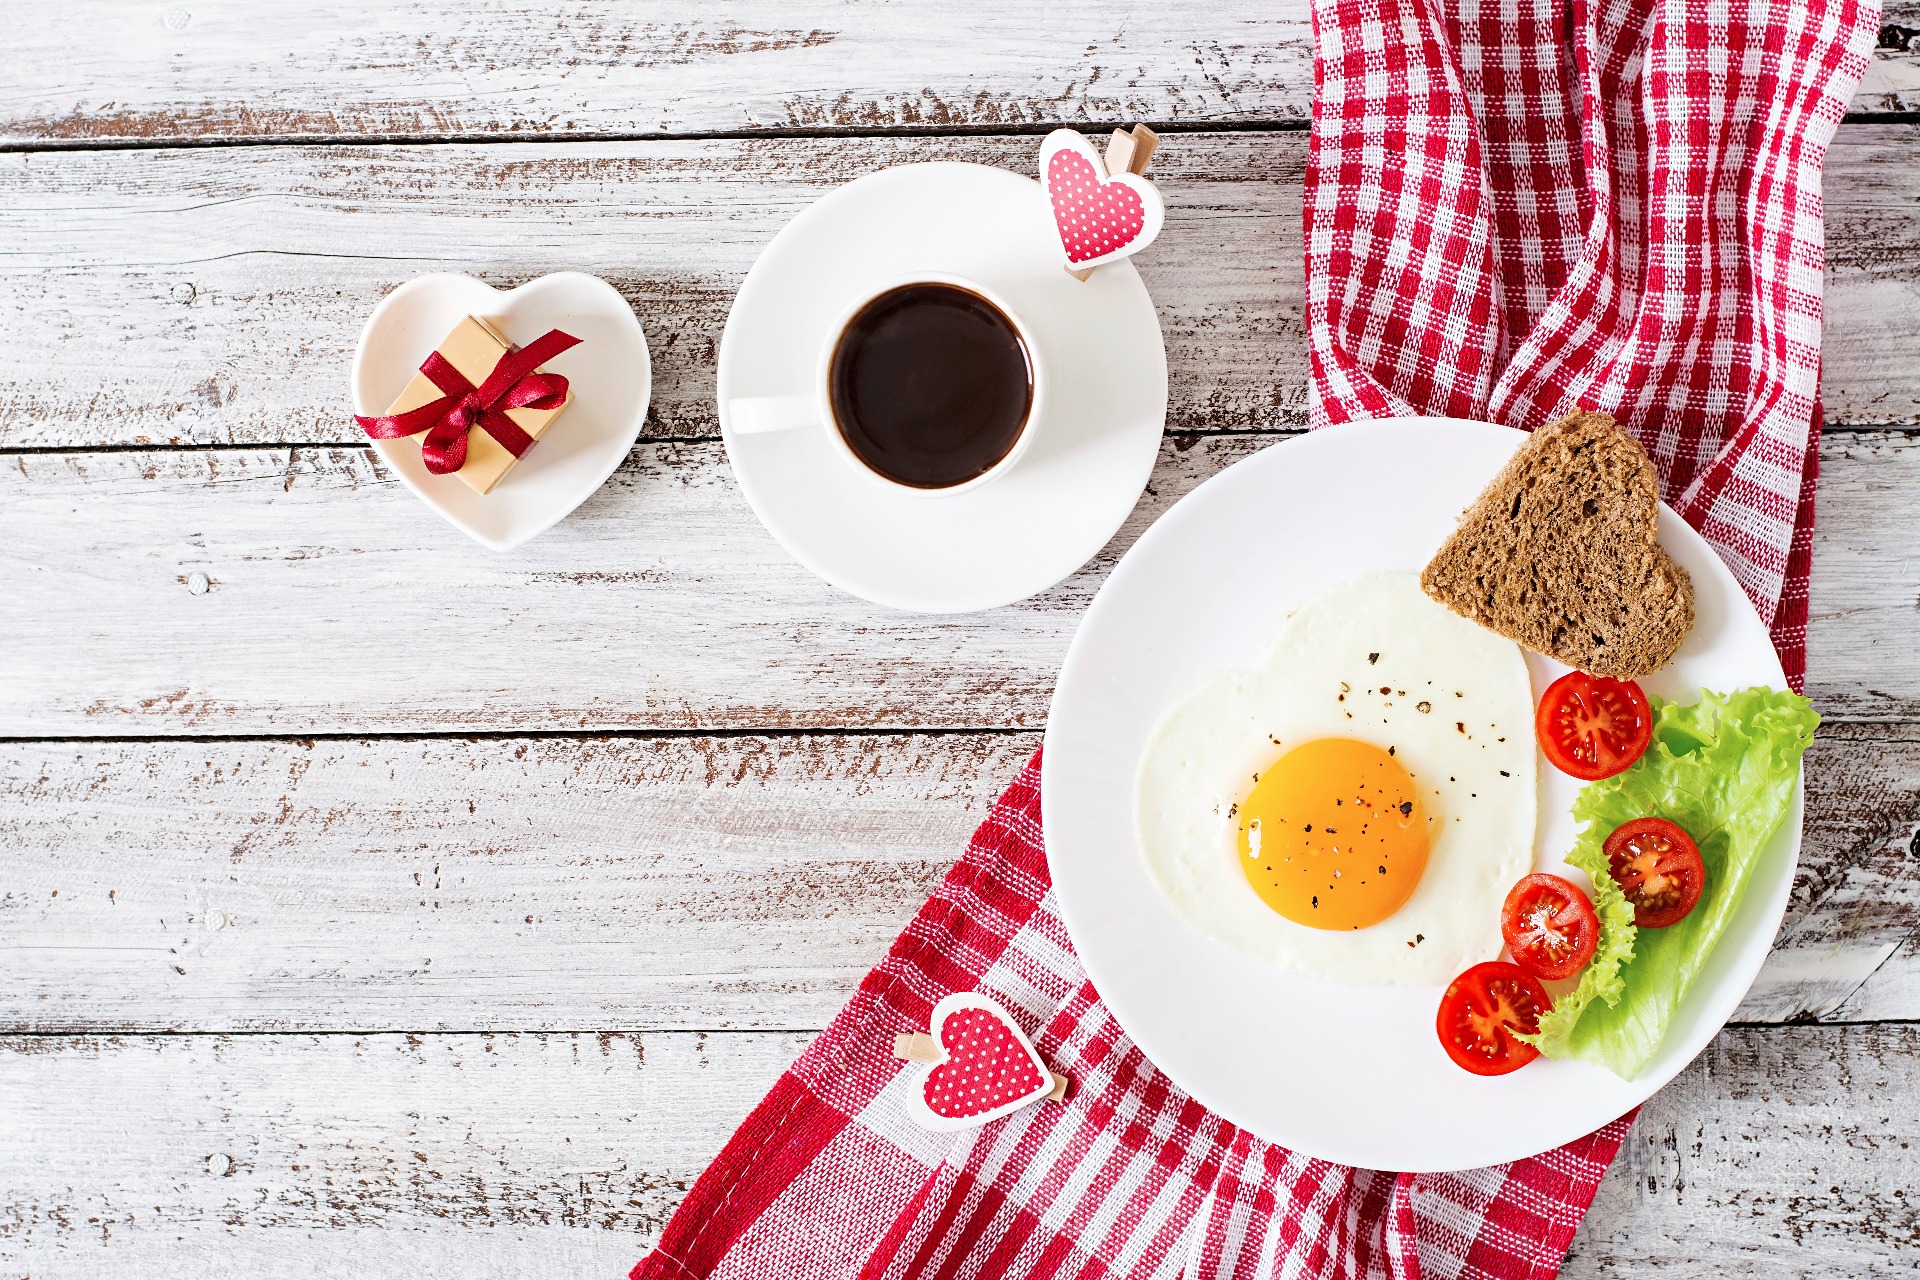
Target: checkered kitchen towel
x,y
1510,210
1518,206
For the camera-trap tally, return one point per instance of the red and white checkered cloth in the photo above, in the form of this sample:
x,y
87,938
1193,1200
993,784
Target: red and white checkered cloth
x,y
1519,206
1510,210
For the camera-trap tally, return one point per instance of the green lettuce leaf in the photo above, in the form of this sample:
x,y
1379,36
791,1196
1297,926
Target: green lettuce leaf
x,y
1601,979
1724,769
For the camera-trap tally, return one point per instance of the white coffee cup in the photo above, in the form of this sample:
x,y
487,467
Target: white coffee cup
x,y
813,410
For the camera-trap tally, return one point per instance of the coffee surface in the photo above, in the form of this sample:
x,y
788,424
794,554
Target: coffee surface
x,y
930,385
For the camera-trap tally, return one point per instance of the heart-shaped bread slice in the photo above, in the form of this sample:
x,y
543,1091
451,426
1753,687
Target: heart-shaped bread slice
x,y
1561,554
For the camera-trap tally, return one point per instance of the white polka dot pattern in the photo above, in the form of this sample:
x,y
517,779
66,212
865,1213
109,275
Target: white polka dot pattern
x,y
987,1067
1095,216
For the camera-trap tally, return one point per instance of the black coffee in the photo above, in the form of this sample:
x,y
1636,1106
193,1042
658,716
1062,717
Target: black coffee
x,y
930,385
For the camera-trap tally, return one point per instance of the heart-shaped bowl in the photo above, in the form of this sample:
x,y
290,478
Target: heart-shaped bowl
x,y
610,371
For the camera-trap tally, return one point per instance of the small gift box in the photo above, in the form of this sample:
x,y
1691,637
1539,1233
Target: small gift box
x,y
481,402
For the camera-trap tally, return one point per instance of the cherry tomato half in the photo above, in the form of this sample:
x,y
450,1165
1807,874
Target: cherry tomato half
x,y
1659,868
1482,1010
1593,726
1550,926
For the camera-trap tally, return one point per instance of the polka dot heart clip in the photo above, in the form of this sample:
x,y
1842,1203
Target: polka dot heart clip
x,y
982,1066
1102,207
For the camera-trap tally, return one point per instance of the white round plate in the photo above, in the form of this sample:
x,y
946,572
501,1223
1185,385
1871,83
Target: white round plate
x,y
1090,456
1345,1073
610,372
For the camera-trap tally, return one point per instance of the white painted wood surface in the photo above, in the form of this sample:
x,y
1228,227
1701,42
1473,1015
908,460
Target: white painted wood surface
x,y
371,70
480,994
196,273
363,1155
458,884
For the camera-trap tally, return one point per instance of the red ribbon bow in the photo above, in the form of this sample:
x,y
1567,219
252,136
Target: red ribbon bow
x,y
513,384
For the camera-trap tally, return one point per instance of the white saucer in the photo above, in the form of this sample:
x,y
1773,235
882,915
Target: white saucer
x,y
1089,459
1350,1074
610,370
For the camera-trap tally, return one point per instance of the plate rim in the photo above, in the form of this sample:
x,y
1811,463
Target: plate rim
x,y
1644,1086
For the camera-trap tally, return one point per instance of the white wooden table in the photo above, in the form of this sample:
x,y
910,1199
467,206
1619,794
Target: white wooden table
x,y
373,904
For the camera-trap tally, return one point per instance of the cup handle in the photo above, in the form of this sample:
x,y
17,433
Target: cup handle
x,y
762,415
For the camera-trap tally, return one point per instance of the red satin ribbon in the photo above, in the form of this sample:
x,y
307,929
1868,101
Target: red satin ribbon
x,y
513,384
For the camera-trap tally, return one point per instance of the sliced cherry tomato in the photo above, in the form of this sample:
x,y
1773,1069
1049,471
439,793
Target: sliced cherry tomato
x,y
1549,926
1483,1009
1658,867
1593,726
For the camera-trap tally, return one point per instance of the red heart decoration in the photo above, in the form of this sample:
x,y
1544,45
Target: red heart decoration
x,y
987,1066
1096,215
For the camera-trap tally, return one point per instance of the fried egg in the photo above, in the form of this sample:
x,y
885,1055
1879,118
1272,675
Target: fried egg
x,y
1356,807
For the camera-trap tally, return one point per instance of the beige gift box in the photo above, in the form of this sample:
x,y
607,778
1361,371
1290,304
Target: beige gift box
x,y
473,349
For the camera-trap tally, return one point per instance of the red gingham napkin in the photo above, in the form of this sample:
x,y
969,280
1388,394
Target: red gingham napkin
x,y
1519,206
1510,210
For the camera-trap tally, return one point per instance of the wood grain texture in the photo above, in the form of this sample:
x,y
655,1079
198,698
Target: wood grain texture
x,y
434,70
660,604
1783,1151
1891,992
215,296
496,884
1856,900
613,884
1892,82
91,72
328,1156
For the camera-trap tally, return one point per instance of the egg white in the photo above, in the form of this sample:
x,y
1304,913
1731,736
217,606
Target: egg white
x,y
1470,754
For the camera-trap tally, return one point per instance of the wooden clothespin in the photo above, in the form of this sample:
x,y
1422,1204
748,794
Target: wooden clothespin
x,y
918,1046
1131,152
1128,151
1103,208
980,1065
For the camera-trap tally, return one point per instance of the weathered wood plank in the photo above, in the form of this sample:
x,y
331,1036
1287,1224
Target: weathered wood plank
x,y
215,295
1779,1152
1866,579
1857,897
458,885
321,1156
93,72
337,603
660,603
1892,82
1893,990
603,884
1789,1149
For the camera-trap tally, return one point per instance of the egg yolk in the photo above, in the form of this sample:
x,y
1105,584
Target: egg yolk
x,y
1333,835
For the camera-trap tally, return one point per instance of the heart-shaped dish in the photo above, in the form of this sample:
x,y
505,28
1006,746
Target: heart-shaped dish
x,y
610,371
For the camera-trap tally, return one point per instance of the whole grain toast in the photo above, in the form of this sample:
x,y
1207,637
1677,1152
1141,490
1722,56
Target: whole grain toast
x,y
1560,553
